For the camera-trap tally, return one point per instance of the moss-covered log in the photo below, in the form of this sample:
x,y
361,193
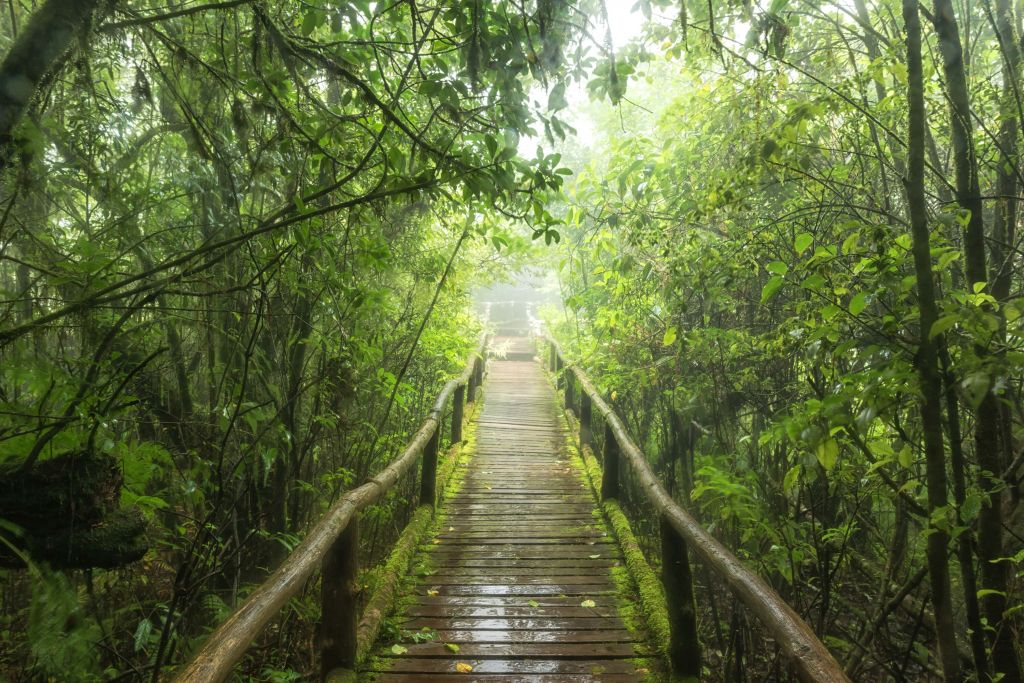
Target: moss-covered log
x,y
67,510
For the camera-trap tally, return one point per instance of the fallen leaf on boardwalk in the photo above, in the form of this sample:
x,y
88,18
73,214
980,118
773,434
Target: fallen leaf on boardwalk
x,y
533,603
437,541
399,649
594,557
463,668
452,647
432,592
588,603
451,528
643,670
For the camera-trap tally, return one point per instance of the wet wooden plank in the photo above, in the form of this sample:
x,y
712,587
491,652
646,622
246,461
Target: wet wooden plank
x,y
480,651
518,576
507,678
609,635
593,666
498,611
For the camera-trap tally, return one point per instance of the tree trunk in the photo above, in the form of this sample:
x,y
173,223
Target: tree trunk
x,y
38,49
994,578
927,357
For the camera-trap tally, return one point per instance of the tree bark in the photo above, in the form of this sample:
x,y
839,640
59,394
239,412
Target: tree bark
x,y
927,356
38,49
994,579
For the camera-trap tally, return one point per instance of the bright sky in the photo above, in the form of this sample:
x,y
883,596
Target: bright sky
x,y
625,25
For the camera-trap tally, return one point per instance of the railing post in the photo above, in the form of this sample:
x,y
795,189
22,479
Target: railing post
x,y
479,370
457,403
428,480
684,644
586,419
471,383
553,358
339,593
610,465
569,403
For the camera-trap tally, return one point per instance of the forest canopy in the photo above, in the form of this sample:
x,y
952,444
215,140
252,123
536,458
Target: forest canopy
x,y
238,244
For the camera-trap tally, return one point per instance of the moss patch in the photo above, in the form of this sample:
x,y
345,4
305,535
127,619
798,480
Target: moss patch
x,y
636,579
392,579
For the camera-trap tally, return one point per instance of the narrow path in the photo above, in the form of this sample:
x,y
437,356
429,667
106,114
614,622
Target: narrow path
x,y
521,587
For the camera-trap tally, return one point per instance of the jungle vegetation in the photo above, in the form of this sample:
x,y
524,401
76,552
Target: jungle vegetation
x,y
237,245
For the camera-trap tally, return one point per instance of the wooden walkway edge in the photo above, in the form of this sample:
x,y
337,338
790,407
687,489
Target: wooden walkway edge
x,y
522,581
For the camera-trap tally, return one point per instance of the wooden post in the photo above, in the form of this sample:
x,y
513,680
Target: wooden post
x,y
553,359
559,375
610,464
586,419
479,370
457,404
339,594
569,390
684,644
428,481
471,384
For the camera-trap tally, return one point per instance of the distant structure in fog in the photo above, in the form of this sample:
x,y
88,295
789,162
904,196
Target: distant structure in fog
x,y
512,306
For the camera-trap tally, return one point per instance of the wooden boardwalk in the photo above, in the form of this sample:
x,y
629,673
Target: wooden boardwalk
x,y
520,585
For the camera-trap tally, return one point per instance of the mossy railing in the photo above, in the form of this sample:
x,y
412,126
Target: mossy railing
x,y
680,532
332,545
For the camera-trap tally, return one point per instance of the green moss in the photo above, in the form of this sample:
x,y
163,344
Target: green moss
x,y
636,578
652,596
395,577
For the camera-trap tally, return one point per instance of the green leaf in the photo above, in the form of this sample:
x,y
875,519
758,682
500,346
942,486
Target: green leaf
x,y
777,268
792,478
397,649
452,647
906,456
588,603
944,323
310,22
142,632
556,100
828,454
802,242
829,312
771,287
670,336
858,303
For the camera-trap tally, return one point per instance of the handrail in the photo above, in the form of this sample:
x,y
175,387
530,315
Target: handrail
x,y
322,545
809,656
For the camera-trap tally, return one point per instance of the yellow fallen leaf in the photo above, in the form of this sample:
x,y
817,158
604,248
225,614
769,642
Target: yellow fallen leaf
x,y
437,541
463,668
431,592
588,603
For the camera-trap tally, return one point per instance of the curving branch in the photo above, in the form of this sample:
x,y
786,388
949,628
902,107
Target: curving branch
x,y
36,52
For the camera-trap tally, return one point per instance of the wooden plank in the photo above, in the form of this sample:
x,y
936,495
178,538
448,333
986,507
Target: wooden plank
x,y
609,635
480,651
432,667
389,677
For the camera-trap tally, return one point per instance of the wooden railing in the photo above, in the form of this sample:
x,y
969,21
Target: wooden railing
x,y
333,546
807,654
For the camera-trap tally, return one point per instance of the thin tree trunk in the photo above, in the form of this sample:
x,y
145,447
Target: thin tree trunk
x,y
994,579
927,357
